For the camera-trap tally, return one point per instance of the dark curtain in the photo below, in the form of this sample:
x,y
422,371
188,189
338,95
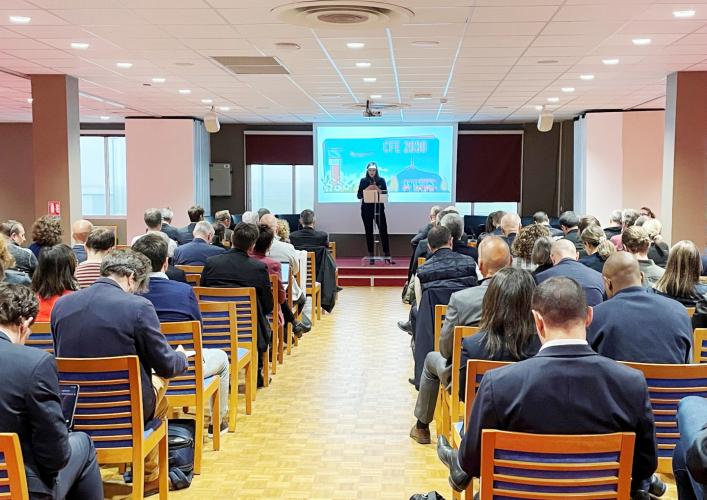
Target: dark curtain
x,y
489,167
279,150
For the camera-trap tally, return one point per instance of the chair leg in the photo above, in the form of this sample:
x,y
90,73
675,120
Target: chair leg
x,y
199,437
314,303
138,469
273,353
163,463
438,414
281,344
446,422
233,398
249,390
319,304
289,338
216,415
266,370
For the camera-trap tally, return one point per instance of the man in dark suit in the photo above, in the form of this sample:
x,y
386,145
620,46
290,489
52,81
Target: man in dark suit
x,y
235,269
637,326
422,233
455,223
103,321
186,234
79,232
55,461
423,249
541,219
308,237
565,389
564,258
510,226
199,249
569,222
25,261
690,454
171,231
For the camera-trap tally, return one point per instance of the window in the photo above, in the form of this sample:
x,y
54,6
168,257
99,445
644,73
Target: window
x,y
103,176
282,189
486,208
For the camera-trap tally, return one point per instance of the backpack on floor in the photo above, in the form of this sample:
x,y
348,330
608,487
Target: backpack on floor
x,y
181,440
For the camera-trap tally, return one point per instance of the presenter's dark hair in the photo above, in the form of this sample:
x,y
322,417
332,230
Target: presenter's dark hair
x,y
155,248
265,237
438,237
560,301
373,165
55,272
244,236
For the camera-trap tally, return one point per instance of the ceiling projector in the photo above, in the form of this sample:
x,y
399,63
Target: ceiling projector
x,y
369,112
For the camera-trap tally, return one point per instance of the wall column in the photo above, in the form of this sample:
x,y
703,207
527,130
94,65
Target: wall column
x,y
685,159
55,146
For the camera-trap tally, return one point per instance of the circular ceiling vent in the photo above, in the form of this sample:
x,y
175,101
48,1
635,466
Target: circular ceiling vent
x,y
343,14
379,106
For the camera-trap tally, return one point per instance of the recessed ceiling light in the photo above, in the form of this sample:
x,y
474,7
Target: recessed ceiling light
x,y
355,45
376,96
553,99
641,41
79,45
159,80
425,43
610,62
567,89
369,80
587,77
185,91
549,61
20,19
363,65
684,13
224,108
206,101
423,97
539,108
105,118
30,100
124,65
183,64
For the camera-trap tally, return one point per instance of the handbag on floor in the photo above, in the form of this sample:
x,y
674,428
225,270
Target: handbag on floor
x,y
432,495
181,440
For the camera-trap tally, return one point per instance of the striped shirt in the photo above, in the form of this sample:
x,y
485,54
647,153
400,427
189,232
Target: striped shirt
x,y
87,273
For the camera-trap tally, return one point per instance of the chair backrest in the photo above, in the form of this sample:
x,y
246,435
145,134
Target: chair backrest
x,y
699,346
475,370
109,407
191,269
460,332
690,311
332,250
667,386
194,279
311,271
41,337
420,261
471,243
272,314
122,247
440,313
519,465
220,327
13,481
188,335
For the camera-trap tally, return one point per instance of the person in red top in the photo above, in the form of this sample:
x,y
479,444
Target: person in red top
x,y
262,246
53,278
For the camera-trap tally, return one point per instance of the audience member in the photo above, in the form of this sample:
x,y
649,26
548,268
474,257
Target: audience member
x,y
174,302
8,263
507,330
100,242
153,221
199,249
464,309
422,232
659,250
186,234
58,464
590,394
224,217
647,212
586,221
628,219
262,247
541,219
308,237
522,247
493,225
46,232
542,250
262,211
569,222
641,220
689,455
597,247
107,319
614,228
54,278
681,280
564,259
455,223
167,228
219,236
235,269
423,249
79,232
250,218
636,241
634,325
510,225
25,261
283,230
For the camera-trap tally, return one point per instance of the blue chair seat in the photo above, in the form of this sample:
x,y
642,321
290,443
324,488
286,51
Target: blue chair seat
x,y
152,426
460,427
242,352
207,381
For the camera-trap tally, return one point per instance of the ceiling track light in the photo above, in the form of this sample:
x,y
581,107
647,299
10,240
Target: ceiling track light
x,y
363,65
124,65
641,41
553,99
79,45
355,45
587,77
684,13
369,80
20,19
185,91
159,80
567,89
610,62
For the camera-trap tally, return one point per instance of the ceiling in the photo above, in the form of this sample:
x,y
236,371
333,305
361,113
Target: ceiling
x,y
486,63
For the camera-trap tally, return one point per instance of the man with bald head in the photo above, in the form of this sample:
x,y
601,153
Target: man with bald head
x,y
80,232
510,225
564,257
637,326
464,309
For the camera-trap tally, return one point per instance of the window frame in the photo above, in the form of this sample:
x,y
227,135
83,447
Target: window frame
x,y
106,175
293,179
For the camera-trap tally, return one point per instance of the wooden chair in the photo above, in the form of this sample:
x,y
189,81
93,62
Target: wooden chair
x,y
111,392
191,269
667,385
246,303
41,337
332,250
287,332
471,243
13,481
420,261
122,247
275,327
440,314
699,346
194,279
297,277
518,465
313,288
690,311
191,388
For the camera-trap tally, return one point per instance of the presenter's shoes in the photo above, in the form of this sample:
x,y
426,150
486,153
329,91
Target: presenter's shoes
x,y
405,326
458,479
657,488
372,262
422,436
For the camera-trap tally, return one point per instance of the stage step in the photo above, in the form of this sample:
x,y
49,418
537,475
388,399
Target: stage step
x,y
345,281
372,271
353,273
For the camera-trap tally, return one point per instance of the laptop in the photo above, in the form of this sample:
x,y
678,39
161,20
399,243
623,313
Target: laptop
x,y
69,395
285,266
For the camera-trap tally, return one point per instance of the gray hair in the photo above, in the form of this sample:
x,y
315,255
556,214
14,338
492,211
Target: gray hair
x,y
641,220
250,218
167,213
455,224
542,250
307,217
616,216
203,227
153,217
125,262
629,217
223,215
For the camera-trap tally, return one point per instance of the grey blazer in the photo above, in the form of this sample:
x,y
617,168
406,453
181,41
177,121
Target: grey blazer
x,y
464,309
651,272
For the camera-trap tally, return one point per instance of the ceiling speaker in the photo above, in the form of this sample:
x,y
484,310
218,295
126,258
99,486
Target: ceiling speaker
x,y
211,122
545,121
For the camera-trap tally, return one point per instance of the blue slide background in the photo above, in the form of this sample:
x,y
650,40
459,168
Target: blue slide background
x,y
415,161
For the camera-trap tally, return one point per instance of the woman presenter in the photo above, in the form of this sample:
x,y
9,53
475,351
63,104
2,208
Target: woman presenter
x,y
371,211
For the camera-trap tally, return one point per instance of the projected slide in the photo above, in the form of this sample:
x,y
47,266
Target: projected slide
x,y
415,161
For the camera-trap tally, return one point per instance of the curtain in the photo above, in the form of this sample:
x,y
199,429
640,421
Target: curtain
x,y
279,150
202,157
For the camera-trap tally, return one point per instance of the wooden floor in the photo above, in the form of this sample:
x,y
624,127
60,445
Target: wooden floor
x,y
335,422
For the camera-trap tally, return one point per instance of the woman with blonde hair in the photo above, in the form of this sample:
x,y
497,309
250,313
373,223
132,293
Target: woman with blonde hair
x,y
283,230
522,247
637,242
681,280
596,245
585,221
659,250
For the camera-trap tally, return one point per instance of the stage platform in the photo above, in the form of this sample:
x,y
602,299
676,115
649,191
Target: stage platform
x,y
353,273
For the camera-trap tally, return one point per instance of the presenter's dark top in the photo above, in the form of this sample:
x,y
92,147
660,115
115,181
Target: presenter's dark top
x,y
368,181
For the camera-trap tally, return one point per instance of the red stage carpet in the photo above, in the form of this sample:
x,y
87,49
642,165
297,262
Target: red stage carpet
x,y
353,273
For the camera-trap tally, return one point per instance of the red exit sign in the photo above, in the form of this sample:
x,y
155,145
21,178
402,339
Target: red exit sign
x,y
54,208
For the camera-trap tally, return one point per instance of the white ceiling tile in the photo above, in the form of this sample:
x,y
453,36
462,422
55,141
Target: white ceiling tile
x,y
522,14
99,17
39,17
180,16
617,12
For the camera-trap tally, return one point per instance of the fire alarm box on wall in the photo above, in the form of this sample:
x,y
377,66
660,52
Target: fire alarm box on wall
x,y
220,175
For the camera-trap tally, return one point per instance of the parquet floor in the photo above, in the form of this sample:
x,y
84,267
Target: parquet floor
x,y
334,423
